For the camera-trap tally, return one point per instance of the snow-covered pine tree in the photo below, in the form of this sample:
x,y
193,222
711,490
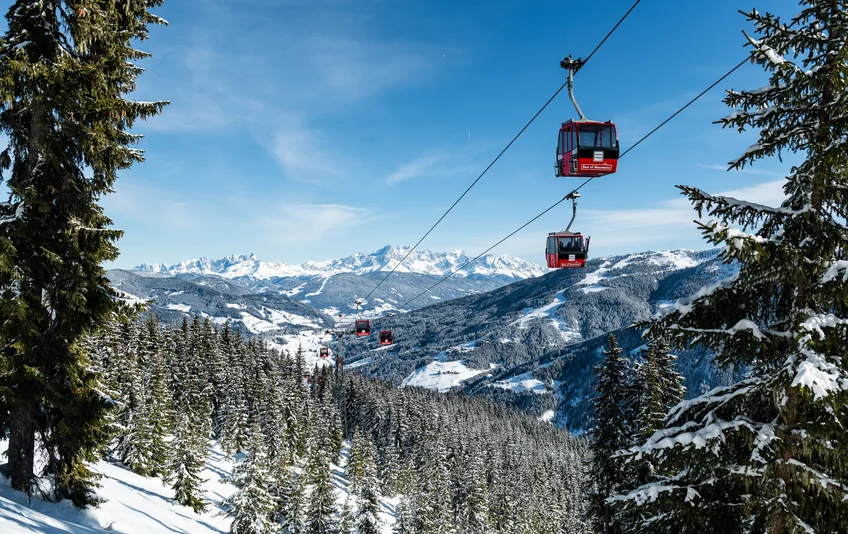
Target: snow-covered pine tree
x,y
160,411
404,517
501,501
216,361
321,508
671,381
433,496
347,523
288,493
65,69
251,507
768,454
275,425
233,406
131,443
355,467
473,513
612,431
368,514
650,407
186,463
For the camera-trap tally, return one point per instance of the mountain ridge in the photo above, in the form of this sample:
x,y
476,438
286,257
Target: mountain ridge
x,y
382,260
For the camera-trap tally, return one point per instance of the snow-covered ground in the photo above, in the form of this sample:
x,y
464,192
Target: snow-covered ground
x,y
442,375
547,312
388,505
134,504
521,383
310,341
139,505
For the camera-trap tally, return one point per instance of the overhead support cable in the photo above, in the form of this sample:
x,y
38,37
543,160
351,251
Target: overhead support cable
x,y
676,113
445,214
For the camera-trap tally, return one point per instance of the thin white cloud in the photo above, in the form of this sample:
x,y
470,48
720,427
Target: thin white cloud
x,y
440,163
315,62
666,225
670,221
302,154
303,224
416,168
747,170
152,206
353,67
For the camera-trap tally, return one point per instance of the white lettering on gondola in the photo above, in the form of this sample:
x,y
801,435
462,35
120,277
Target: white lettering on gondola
x,y
595,167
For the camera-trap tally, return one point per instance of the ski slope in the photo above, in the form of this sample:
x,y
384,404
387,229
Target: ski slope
x,y
139,505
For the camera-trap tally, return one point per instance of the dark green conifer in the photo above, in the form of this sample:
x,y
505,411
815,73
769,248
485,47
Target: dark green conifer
x,y
251,507
768,454
368,515
612,432
65,69
347,524
186,462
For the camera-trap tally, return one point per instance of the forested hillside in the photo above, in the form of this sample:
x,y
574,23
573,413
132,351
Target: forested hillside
x,y
453,462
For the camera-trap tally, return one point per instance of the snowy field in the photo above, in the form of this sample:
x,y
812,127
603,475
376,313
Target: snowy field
x,y
522,383
442,375
139,505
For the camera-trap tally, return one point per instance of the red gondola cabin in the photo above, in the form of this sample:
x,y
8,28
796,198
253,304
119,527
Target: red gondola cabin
x,y
363,327
324,352
386,337
566,249
587,149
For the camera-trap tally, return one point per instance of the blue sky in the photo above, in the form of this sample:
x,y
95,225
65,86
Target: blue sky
x,y
312,129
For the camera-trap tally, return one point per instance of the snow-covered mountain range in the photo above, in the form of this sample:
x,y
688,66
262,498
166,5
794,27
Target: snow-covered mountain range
x,y
534,343
519,338
385,259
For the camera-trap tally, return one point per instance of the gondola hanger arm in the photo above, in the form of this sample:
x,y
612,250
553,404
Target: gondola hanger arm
x,y
572,66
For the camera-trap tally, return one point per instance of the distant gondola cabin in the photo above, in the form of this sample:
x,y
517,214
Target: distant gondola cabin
x,y
566,250
386,337
362,327
324,352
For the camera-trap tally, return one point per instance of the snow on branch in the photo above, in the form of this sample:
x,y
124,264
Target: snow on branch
x,y
127,298
823,480
768,51
645,494
743,324
763,439
684,436
816,322
19,212
717,397
684,305
836,270
817,374
736,204
733,237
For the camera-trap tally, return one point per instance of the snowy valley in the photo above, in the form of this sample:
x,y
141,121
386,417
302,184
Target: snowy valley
x,y
531,343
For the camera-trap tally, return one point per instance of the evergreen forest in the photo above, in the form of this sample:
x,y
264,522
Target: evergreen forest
x,y
458,464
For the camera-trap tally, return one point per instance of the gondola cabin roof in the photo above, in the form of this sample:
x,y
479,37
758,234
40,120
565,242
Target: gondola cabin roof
x,y
565,234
